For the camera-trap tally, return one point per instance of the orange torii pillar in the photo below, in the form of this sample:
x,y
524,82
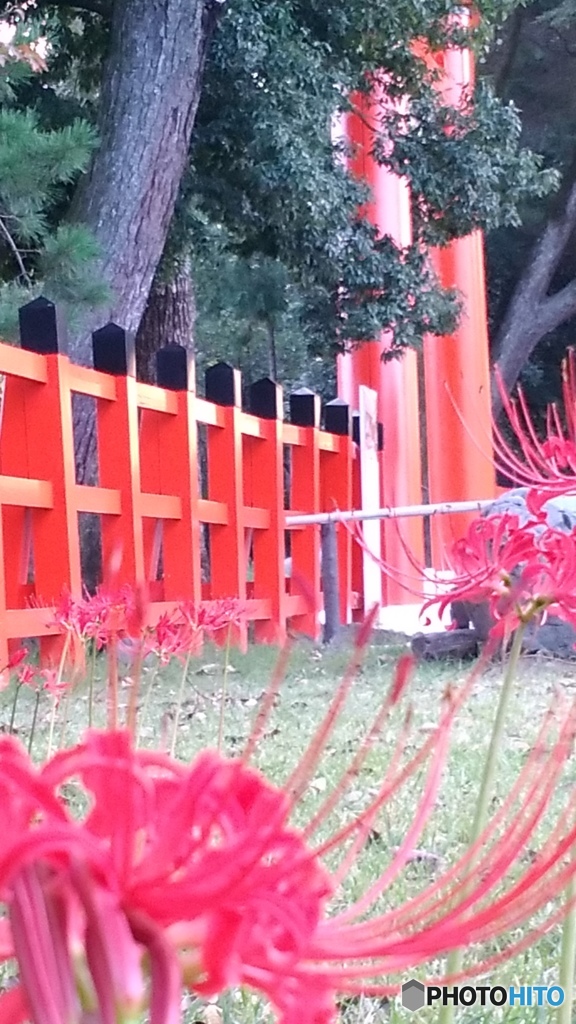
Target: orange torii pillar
x,y
396,381
457,367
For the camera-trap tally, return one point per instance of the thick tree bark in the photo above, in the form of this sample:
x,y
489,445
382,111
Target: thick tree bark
x,y
170,315
150,92
533,312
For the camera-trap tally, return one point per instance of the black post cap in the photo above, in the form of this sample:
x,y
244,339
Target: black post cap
x,y
175,367
42,327
223,385
266,399
356,428
114,351
305,408
337,417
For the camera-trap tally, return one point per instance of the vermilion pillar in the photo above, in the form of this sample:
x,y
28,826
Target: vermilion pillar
x,y
397,381
456,367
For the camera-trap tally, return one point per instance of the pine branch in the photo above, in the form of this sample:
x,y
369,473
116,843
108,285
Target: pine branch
x,y
15,251
101,7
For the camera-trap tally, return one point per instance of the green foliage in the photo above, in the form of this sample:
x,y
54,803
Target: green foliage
x,y
265,188
36,252
263,161
250,314
466,167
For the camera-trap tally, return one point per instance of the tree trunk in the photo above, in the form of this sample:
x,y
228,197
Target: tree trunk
x,y
272,351
169,316
533,312
150,92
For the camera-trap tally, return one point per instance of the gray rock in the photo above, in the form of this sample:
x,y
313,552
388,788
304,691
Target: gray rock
x,y
560,510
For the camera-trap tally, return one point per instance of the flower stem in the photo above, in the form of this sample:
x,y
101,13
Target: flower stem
x,y
52,724
144,709
62,662
454,963
91,685
113,683
224,690
568,956
14,703
34,717
132,714
64,718
179,705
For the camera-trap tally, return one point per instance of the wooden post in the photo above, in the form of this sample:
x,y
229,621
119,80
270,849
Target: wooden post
x,y
330,584
305,495
178,446
357,575
119,457
265,456
45,451
225,484
336,470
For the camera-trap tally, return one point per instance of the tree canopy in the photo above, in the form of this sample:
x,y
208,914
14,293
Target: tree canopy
x,y
532,268
215,149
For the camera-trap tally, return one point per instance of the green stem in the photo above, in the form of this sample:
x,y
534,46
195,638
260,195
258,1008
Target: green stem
x,y
91,685
112,653
14,703
454,963
63,657
34,717
144,709
179,705
64,717
224,690
52,724
568,956
136,673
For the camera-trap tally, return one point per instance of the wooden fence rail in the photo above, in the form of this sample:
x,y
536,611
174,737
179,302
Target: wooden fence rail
x,y
147,491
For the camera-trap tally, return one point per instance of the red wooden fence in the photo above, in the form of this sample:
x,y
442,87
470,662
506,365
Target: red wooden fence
x,y
148,491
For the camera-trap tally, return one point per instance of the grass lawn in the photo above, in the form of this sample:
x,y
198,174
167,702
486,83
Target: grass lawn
x,y
208,712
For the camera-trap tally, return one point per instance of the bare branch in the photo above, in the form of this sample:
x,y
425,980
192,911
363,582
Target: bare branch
x,y
532,312
15,251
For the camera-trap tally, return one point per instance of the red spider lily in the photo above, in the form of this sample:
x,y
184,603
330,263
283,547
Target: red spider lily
x,y
17,657
27,675
551,462
174,636
53,683
170,637
176,875
522,570
109,616
212,617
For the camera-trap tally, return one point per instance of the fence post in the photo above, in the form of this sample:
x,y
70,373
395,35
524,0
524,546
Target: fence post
x,y
337,492
178,473
357,559
44,449
119,456
330,582
305,497
266,460
225,484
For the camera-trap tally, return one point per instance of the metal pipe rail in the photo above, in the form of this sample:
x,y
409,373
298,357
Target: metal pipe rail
x,y
441,508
